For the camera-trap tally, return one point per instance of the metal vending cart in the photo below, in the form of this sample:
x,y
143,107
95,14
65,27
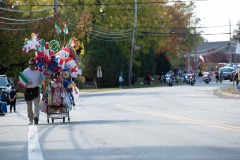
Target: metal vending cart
x,y
57,97
59,66
57,112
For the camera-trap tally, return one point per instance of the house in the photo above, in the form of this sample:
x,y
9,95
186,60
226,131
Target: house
x,y
209,55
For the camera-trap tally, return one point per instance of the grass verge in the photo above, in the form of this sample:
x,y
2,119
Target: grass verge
x,y
138,84
230,89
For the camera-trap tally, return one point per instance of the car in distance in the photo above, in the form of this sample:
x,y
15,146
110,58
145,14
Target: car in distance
x,y
228,73
5,85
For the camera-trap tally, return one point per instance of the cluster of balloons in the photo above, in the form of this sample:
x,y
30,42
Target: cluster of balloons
x,y
51,58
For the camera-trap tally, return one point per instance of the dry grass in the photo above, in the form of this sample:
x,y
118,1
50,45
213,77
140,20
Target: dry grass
x,y
99,90
231,90
20,95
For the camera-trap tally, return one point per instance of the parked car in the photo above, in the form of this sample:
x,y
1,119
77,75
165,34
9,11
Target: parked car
x,y
228,73
5,84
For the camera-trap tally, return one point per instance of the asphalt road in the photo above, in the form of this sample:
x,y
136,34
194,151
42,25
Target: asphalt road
x,y
163,123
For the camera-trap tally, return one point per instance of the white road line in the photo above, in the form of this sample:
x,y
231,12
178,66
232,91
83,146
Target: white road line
x,y
34,150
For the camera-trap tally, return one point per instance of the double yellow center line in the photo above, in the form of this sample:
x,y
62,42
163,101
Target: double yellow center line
x,y
189,120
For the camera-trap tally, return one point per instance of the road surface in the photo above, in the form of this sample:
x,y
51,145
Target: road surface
x,y
170,123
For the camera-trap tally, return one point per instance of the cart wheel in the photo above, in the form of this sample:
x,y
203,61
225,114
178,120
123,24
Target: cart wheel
x,y
68,119
52,120
64,120
47,120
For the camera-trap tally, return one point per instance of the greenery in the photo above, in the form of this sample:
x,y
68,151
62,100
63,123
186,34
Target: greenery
x,y
230,90
105,28
236,35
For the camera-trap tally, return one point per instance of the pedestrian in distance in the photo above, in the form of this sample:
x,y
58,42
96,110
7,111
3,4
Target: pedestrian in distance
x,y
220,76
12,99
236,78
161,76
120,79
133,78
217,76
1,103
32,92
148,77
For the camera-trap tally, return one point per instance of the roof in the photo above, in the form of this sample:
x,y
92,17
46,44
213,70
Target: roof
x,y
213,47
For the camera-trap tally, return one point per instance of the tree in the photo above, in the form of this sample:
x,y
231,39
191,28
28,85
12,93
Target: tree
x,y
105,28
109,58
16,30
236,33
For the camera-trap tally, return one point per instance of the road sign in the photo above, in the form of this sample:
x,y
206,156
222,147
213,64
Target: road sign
x,y
99,71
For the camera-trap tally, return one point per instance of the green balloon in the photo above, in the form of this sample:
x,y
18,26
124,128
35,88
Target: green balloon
x,y
54,46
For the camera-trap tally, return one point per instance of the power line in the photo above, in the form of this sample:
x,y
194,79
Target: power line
x,y
67,10
18,22
23,22
186,27
111,31
26,20
122,34
215,34
107,34
15,29
101,30
176,33
119,32
21,11
69,19
107,4
110,36
108,40
218,26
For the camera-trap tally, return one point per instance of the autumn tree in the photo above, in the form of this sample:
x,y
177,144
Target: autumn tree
x,y
10,40
20,20
106,29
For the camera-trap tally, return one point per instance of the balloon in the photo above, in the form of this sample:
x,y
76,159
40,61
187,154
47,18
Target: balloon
x,y
74,43
54,45
65,83
31,44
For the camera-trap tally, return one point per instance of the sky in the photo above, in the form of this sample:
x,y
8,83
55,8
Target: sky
x,y
216,15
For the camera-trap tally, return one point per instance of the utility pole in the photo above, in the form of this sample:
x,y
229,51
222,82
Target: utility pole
x,y
132,48
195,52
188,54
55,7
230,53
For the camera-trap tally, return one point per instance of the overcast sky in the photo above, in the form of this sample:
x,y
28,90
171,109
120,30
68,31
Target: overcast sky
x,y
218,13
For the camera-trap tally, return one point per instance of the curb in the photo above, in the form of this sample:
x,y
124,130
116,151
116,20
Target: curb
x,y
228,94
